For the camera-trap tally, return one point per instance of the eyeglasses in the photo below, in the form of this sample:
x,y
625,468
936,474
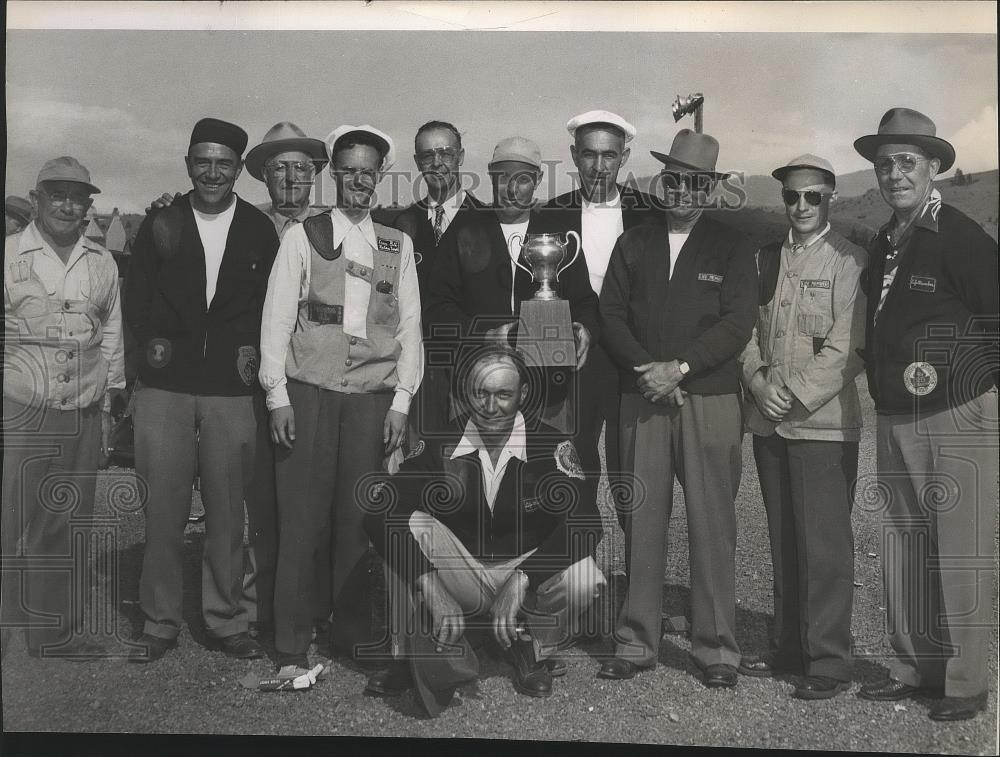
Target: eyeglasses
x,y
445,154
814,198
676,182
904,161
297,167
62,198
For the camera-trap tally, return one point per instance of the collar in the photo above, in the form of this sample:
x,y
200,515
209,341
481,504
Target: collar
x,y
342,225
31,240
614,202
928,218
793,245
450,203
473,442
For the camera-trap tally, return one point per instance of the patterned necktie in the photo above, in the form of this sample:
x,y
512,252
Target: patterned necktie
x,y
438,224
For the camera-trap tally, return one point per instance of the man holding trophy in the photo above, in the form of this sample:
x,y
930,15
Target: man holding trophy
x,y
515,264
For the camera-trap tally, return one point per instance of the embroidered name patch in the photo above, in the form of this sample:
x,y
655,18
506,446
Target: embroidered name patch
x,y
531,504
388,245
815,284
920,378
923,283
712,277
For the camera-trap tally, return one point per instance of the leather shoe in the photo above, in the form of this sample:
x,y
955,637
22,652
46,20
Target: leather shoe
x,y
889,690
240,646
757,666
958,708
720,676
531,677
391,682
556,666
619,669
820,687
152,648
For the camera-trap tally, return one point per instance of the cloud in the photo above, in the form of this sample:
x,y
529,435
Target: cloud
x,y
976,142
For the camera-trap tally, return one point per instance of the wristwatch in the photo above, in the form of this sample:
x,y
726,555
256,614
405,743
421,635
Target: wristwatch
x,y
685,369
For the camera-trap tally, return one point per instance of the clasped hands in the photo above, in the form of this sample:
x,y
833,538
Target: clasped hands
x,y
773,400
448,620
659,382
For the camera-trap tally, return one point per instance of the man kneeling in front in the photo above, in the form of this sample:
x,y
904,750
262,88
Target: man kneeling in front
x,y
491,522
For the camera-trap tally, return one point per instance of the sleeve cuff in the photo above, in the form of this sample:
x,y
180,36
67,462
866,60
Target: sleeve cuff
x,y
808,399
277,397
400,402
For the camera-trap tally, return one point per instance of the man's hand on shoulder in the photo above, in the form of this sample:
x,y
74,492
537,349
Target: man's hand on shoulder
x,y
163,201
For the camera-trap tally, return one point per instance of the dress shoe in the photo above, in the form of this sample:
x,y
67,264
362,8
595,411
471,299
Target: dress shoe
x,y
391,682
757,666
889,690
620,669
719,676
531,677
152,648
81,650
240,646
958,708
820,687
556,666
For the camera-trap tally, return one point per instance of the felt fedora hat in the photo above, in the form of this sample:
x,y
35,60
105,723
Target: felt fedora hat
x,y
284,137
904,126
691,152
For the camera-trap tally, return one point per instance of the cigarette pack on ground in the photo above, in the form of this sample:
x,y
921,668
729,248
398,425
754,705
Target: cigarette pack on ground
x,y
299,683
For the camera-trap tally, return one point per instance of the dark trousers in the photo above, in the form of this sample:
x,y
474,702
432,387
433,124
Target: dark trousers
x,y
50,462
262,524
338,441
808,488
700,444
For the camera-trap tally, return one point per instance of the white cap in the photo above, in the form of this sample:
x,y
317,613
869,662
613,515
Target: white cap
x,y
601,117
340,131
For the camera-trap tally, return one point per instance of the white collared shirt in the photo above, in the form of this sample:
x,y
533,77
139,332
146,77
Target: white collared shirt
x,y
794,246
288,287
492,476
600,226
451,207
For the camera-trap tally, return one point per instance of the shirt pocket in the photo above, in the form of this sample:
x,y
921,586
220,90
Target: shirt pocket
x,y
815,310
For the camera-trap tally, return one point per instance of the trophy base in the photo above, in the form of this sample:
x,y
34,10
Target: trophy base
x,y
545,336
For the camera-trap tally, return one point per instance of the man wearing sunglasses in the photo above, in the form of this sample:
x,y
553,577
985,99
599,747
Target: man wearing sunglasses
x,y
341,356
799,369
62,359
932,362
678,305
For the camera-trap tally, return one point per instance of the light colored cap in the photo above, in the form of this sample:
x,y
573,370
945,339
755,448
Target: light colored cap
x,y
808,161
66,169
517,149
342,131
601,117
17,207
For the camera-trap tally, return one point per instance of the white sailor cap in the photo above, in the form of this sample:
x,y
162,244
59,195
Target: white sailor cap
x,y
601,117
341,131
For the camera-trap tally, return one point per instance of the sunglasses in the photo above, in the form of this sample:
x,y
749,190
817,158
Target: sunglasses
x,y
904,161
814,198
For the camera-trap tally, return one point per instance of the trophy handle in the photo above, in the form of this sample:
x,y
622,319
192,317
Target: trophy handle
x,y
517,261
576,254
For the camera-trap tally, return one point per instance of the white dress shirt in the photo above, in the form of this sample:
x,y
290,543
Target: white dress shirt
x,y
213,228
600,226
451,207
288,287
493,475
510,230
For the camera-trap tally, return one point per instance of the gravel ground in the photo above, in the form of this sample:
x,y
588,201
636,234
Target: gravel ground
x,y
193,690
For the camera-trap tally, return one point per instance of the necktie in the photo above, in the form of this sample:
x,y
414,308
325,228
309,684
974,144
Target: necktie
x,y
438,224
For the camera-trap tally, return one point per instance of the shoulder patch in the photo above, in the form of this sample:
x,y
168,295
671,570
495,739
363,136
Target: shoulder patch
x,y
388,245
417,450
568,460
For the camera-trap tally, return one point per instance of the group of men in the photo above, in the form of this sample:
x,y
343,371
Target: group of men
x,y
282,357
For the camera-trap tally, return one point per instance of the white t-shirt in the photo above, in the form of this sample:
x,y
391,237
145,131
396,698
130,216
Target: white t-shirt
x,y
510,230
676,243
213,228
600,226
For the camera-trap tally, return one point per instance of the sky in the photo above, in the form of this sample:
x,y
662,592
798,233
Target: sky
x,y
123,102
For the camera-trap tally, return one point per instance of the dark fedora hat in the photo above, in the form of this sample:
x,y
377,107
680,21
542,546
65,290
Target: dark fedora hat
x,y
907,127
691,152
284,137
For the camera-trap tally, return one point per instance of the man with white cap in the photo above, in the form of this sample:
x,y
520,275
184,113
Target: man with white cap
x,y
341,358
62,359
193,299
799,369
599,211
932,362
677,308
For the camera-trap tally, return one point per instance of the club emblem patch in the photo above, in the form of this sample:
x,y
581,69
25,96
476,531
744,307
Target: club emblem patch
x,y
923,284
246,364
815,284
714,278
568,460
417,450
531,504
920,378
159,352
388,245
